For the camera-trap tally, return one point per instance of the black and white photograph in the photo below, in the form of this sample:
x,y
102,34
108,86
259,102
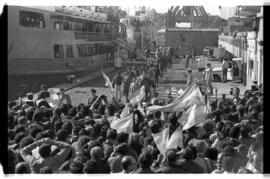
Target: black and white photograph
x,y
134,88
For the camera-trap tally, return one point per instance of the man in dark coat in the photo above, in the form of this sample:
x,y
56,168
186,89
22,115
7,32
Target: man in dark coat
x,y
188,164
170,165
44,90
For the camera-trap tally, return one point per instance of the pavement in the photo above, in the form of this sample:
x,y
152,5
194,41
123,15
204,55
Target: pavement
x,y
173,80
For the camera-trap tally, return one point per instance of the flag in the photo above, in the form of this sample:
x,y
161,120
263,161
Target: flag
x,y
194,97
138,95
190,96
124,124
161,140
165,143
108,82
176,140
54,99
125,112
196,114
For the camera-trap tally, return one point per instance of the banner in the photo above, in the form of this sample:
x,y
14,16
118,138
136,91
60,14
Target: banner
x,y
125,112
108,82
176,140
138,95
54,99
161,140
194,115
124,124
165,143
190,96
194,97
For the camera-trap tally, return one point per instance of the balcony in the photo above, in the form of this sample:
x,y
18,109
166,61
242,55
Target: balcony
x,y
234,44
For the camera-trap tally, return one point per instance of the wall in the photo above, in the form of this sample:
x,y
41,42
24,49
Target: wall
x,y
191,39
252,63
260,50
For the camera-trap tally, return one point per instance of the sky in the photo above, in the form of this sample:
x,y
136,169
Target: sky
x,y
210,6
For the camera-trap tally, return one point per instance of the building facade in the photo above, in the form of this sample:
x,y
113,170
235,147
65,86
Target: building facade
x,y
248,46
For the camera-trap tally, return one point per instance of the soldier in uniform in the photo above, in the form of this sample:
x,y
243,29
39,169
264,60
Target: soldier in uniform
x,y
93,98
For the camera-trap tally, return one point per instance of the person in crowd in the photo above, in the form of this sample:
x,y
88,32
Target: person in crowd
x,y
57,25
42,96
116,158
187,60
225,66
29,99
225,164
22,168
92,99
157,73
208,75
145,162
44,89
187,163
190,78
170,165
126,85
128,164
43,157
96,155
146,83
64,98
117,84
200,159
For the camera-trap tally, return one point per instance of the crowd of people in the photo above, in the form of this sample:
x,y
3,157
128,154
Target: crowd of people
x,y
130,78
69,139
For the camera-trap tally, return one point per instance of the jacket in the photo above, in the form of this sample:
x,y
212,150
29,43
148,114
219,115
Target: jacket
x,y
36,162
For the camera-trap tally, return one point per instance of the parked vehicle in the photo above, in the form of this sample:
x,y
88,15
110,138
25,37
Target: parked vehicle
x,y
235,71
208,51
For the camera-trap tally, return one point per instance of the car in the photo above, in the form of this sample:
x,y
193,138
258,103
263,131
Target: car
x,y
235,71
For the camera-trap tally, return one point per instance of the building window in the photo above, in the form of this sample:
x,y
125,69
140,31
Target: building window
x,y
31,19
58,51
69,51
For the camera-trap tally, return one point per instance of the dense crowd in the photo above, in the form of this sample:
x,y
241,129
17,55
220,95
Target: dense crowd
x,y
70,139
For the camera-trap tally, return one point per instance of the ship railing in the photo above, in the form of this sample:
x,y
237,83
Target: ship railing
x,y
95,36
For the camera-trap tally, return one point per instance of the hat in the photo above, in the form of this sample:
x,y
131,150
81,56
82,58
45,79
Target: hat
x,y
93,90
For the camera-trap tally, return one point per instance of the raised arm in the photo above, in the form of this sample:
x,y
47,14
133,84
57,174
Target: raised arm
x,y
26,152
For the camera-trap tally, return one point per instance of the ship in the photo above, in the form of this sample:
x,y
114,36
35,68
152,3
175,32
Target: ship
x,y
49,46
